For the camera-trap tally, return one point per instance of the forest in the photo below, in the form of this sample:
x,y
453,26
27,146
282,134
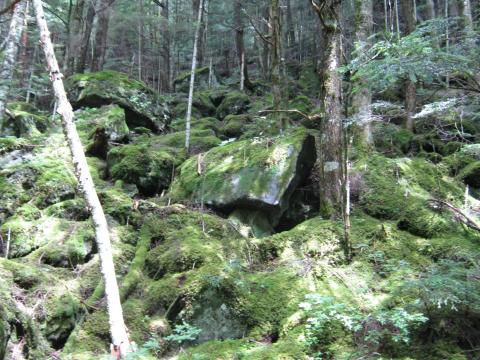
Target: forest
x,y
240,179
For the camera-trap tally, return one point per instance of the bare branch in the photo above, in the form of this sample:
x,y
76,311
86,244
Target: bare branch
x,y
313,117
461,216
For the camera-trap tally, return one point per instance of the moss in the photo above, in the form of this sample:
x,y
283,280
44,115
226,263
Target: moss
x,y
23,236
143,106
248,173
74,209
179,111
471,174
421,221
234,125
391,139
301,103
207,123
200,140
25,120
234,103
117,204
11,143
111,118
182,81
186,74
28,212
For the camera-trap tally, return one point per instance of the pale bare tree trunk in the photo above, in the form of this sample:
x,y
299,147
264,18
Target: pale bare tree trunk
x,y
201,36
362,99
11,52
330,154
430,9
192,75
467,12
118,329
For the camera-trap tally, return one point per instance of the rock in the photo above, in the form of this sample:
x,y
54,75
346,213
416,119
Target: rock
x,y
250,174
111,118
182,82
142,105
471,175
251,223
234,125
23,120
234,103
207,123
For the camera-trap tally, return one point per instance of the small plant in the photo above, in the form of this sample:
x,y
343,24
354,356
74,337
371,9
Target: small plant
x,y
183,333
151,347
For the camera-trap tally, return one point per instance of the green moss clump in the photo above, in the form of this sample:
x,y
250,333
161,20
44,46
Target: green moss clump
x,y
234,103
392,140
234,125
420,221
182,81
111,118
74,209
471,174
200,140
301,103
25,120
207,123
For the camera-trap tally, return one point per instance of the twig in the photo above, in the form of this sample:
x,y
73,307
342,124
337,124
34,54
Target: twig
x,y
9,7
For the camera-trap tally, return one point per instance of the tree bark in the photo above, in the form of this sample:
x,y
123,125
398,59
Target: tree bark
x,y
165,50
118,329
330,149
291,41
192,75
10,57
240,43
85,39
410,87
275,60
362,99
201,42
101,35
74,37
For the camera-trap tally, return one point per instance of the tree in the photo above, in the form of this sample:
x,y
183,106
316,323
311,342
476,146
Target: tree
x,y
330,149
11,51
74,37
118,329
362,97
192,75
240,43
275,37
410,88
101,35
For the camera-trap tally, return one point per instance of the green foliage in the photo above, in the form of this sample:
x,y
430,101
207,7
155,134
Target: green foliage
x,y
183,333
329,321
421,57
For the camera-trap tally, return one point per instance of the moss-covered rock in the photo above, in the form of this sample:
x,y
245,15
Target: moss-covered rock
x,y
258,174
391,139
234,103
142,105
234,126
471,175
251,223
207,123
23,120
111,118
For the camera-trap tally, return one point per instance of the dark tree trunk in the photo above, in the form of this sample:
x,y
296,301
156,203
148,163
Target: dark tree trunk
x,y
85,39
101,35
74,42
239,42
330,149
410,87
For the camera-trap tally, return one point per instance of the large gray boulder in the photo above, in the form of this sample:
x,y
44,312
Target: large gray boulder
x,y
250,174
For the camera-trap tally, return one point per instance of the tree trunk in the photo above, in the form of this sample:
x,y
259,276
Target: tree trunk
x,y
430,9
23,58
291,43
410,87
101,35
74,37
118,329
275,61
362,99
165,51
201,35
11,52
330,149
240,44
85,39
192,75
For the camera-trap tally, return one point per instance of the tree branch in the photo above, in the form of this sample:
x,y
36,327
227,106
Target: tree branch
x,y
461,216
314,117
262,36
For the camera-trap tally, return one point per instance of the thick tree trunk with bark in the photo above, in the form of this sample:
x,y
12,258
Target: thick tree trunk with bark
x,y
118,329
362,99
101,35
410,87
74,37
240,43
192,75
85,39
330,149
10,57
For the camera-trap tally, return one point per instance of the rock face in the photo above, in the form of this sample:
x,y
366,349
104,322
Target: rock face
x,y
143,106
182,82
111,118
249,174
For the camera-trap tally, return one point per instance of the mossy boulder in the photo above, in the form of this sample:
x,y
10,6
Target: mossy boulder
x,y
23,120
251,223
234,126
234,103
392,140
111,118
207,123
252,174
142,105
471,175
140,164
200,140
182,81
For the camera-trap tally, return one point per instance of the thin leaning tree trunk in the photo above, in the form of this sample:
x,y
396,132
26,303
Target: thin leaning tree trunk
x,y
192,76
118,330
11,52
